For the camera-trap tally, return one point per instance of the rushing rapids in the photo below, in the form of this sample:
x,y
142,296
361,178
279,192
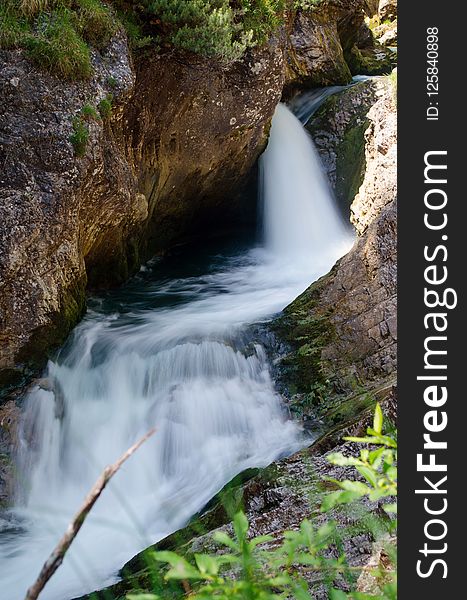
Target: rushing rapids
x,y
171,350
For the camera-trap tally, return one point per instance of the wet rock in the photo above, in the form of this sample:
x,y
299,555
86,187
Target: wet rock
x,y
338,130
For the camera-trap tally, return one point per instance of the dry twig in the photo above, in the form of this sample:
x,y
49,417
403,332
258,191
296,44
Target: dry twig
x,y
58,554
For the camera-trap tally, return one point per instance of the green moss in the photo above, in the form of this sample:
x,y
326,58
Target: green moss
x,y
350,163
369,61
307,332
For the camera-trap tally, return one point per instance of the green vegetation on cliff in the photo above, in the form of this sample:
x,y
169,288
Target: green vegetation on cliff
x,y
58,35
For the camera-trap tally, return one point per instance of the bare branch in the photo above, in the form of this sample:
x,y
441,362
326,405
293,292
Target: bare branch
x,y
58,554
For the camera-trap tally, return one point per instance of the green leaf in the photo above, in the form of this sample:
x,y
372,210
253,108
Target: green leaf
x,y
261,539
368,474
383,439
378,419
299,593
142,597
375,457
337,594
181,568
223,538
207,565
357,487
390,508
240,525
335,498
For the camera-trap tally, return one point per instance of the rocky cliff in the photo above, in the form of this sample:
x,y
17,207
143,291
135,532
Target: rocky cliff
x,y
342,331
101,173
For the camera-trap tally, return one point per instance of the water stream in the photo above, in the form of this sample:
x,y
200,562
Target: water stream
x,y
171,349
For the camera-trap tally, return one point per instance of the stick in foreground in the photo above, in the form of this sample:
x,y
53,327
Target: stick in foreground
x,y
58,554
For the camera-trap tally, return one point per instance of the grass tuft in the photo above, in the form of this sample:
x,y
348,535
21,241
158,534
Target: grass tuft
x,y
57,46
97,23
105,107
80,136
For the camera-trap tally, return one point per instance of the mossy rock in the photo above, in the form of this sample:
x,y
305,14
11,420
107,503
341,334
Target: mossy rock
x,y
376,60
338,128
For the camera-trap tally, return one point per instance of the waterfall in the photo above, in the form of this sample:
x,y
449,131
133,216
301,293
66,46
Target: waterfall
x,y
175,353
300,217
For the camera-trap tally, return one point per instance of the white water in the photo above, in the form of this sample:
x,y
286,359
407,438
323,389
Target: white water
x,y
185,365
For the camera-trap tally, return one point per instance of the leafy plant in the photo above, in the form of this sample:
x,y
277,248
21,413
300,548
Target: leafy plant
x,y
261,569
88,112
377,467
260,574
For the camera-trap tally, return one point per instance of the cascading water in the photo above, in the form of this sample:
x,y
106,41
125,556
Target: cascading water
x,y
174,353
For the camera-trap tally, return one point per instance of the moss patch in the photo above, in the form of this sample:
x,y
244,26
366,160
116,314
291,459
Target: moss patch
x,y
307,332
369,61
351,164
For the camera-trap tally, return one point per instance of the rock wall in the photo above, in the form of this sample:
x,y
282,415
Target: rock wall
x,y
180,143
171,160
342,331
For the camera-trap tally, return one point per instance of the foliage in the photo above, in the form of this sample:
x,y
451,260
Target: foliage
x,y
89,112
260,574
13,26
261,569
105,107
377,467
80,136
57,46
206,27
96,23
262,17
56,34
217,28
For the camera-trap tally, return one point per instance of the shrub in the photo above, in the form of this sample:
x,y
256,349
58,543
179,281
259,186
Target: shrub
x,y
97,22
217,28
262,17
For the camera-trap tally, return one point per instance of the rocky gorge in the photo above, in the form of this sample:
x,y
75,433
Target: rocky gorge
x,y
175,159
